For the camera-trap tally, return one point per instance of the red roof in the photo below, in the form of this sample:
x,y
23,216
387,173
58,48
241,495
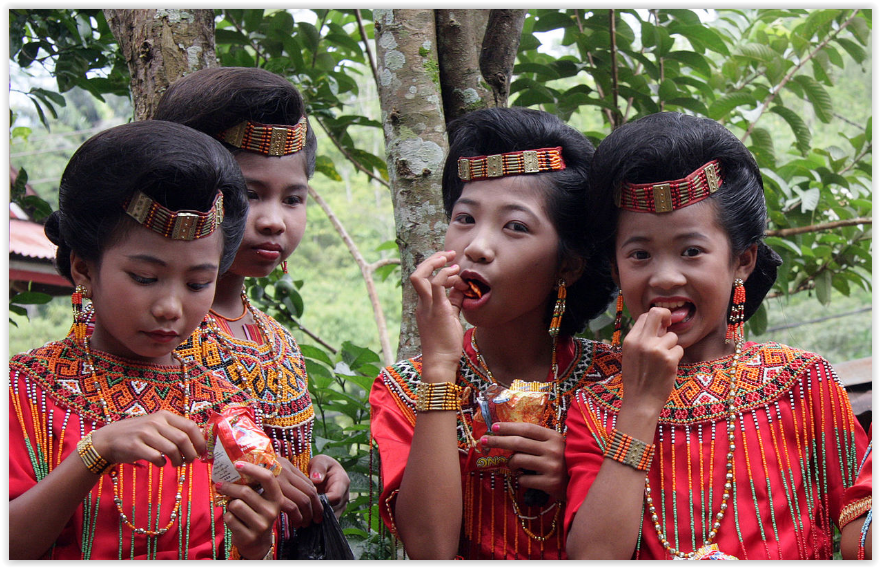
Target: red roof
x,y
27,238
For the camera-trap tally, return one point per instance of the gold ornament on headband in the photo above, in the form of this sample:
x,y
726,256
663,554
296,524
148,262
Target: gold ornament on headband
x,y
268,139
667,196
176,225
511,164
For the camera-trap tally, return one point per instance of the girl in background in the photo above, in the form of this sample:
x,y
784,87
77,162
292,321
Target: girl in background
x,y
260,118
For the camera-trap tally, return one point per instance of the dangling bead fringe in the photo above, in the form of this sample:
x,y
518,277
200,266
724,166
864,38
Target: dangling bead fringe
x,y
79,318
558,309
618,318
737,310
284,266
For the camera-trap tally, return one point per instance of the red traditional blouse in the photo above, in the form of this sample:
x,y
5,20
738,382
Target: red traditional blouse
x,y
54,403
491,527
797,451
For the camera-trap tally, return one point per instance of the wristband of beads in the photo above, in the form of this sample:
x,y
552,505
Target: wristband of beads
x,y
90,456
437,396
629,451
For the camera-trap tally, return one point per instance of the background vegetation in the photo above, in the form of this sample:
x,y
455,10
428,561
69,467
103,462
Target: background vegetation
x,y
794,84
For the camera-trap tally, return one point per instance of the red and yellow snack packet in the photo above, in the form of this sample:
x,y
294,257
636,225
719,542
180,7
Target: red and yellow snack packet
x,y
231,436
521,402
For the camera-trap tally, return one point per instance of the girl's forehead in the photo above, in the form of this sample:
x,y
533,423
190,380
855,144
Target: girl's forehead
x,y
697,219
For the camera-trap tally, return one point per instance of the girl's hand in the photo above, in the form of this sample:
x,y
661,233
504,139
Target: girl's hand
x,y
437,313
250,515
330,478
536,449
299,496
159,438
650,361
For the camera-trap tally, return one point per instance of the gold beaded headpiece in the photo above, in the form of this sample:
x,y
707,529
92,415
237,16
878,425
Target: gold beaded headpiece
x,y
268,139
176,225
511,164
667,196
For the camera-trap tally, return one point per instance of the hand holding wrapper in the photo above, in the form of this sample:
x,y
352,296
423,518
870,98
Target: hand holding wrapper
x,y
521,402
231,436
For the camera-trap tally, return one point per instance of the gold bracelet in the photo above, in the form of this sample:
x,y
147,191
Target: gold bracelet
x,y
90,456
437,396
629,451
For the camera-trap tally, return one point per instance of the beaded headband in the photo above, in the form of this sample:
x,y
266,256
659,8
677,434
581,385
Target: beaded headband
x,y
666,196
511,164
176,225
268,139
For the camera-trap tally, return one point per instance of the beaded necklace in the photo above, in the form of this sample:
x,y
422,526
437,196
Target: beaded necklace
x,y
729,480
115,470
273,355
557,506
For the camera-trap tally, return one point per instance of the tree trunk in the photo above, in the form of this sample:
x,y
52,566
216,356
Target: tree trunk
x,y
459,36
498,53
415,144
161,46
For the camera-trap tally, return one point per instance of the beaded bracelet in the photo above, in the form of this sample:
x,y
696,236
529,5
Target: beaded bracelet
x,y
90,456
437,396
863,535
629,451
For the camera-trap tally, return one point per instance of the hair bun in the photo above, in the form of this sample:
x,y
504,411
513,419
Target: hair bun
x,y
762,278
52,228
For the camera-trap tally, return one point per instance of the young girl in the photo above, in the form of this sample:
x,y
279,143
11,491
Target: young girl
x,y
105,436
515,191
702,446
260,118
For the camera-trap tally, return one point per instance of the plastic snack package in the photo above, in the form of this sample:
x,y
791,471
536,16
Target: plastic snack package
x,y
521,402
232,435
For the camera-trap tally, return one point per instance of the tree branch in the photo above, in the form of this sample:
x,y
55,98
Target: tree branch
x,y
819,227
868,147
362,29
378,315
316,338
499,51
615,88
345,152
794,70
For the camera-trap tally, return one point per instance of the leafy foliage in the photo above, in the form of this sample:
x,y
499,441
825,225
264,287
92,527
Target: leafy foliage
x,y
765,74
753,70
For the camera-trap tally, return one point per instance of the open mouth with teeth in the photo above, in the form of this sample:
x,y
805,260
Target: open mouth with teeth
x,y
681,311
475,289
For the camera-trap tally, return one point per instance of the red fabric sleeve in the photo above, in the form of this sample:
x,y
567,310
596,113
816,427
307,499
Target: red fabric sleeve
x,y
583,455
857,499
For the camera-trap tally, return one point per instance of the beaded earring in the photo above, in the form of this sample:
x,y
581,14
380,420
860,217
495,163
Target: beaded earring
x,y
737,310
284,267
558,308
618,318
79,316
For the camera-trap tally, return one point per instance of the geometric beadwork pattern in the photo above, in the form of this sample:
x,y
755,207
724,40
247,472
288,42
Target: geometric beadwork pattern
x,y
403,377
129,388
700,393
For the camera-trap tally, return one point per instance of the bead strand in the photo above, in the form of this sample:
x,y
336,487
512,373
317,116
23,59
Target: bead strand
x,y
728,478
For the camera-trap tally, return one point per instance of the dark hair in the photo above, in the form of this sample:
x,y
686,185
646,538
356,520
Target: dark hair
x,y
212,100
177,166
671,145
570,204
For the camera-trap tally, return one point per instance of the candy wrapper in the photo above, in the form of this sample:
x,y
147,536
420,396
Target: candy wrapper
x,y
231,436
521,402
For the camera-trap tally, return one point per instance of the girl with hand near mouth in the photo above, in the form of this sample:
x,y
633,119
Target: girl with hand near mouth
x,y
520,248
260,118
703,445
105,438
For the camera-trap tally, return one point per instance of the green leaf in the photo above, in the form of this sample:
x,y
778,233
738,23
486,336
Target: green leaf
x,y
544,71
552,21
693,60
312,352
778,244
387,245
823,288
310,34
758,321
854,50
817,19
762,145
31,298
325,165
818,96
759,52
722,106
798,127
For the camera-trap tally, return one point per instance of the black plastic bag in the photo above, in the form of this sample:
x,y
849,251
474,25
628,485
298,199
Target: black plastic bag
x,y
324,541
